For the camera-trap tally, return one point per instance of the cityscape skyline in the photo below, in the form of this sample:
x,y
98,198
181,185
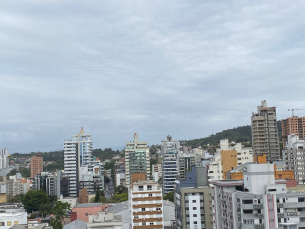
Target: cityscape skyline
x,y
188,69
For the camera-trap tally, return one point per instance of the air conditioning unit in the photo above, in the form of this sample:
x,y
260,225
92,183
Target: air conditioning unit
x,y
143,218
255,201
159,218
151,211
298,213
159,211
136,205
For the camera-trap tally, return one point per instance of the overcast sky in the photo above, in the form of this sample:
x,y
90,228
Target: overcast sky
x,y
185,68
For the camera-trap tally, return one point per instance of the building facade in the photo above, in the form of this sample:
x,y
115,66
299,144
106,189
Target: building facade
x,y
193,201
257,201
294,156
4,161
91,178
292,125
105,220
12,214
264,132
186,162
77,153
227,158
146,208
169,154
136,159
36,165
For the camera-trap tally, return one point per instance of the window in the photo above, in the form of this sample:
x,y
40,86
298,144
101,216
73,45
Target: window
x,y
86,214
143,209
195,222
9,223
150,195
193,201
194,208
16,222
194,215
149,187
143,223
1,223
140,188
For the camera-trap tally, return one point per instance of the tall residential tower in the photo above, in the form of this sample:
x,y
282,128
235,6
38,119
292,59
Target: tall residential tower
x,y
169,152
264,132
136,159
77,153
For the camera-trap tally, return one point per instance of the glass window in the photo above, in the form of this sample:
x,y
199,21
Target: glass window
x,y
9,223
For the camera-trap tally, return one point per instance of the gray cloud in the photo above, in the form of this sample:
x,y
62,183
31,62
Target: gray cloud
x,y
185,68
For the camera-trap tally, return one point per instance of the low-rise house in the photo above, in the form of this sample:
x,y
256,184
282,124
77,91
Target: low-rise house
x,y
82,211
105,220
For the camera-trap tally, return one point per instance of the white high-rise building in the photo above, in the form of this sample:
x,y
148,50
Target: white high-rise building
x,y
77,153
4,162
169,152
294,156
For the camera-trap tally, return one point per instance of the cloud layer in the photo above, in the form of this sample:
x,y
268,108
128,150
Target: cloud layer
x,y
184,68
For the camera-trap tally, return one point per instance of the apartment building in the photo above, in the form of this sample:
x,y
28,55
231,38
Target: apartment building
x,y
145,199
136,159
4,160
292,125
90,178
169,154
257,201
264,132
77,153
294,156
16,186
119,173
52,182
193,201
36,165
158,169
227,158
186,162
280,172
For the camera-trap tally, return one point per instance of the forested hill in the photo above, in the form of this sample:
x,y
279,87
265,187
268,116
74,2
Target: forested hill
x,y
237,134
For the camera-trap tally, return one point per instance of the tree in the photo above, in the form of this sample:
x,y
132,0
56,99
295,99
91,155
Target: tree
x,y
169,196
60,209
33,199
45,209
25,172
53,199
16,199
12,172
121,189
107,180
119,198
97,195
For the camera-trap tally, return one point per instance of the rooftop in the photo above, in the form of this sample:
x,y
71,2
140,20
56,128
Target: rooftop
x,y
88,205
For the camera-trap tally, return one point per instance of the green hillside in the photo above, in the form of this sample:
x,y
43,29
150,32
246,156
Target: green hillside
x,y
237,134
